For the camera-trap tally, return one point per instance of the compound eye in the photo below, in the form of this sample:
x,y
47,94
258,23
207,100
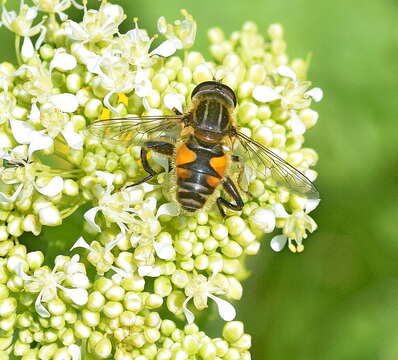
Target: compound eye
x,y
222,89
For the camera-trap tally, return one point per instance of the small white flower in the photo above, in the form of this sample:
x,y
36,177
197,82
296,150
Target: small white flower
x,y
47,283
56,7
100,256
181,35
21,24
199,289
97,25
24,133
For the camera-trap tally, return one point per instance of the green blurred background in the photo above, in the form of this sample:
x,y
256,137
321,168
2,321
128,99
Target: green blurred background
x,y
338,299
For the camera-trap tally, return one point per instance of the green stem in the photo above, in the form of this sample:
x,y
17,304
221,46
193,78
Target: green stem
x,y
17,46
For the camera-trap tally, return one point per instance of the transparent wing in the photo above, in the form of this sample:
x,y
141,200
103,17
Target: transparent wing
x,y
284,174
136,130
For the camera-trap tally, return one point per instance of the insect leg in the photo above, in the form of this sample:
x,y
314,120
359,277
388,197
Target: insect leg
x,y
238,159
231,189
161,147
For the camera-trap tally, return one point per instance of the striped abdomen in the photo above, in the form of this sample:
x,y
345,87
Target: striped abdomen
x,y
199,170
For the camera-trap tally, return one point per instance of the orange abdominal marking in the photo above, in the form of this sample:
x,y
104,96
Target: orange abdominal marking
x,y
212,181
183,173
219,164
184,155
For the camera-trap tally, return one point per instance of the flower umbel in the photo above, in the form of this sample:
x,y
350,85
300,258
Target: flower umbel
x,y
145,271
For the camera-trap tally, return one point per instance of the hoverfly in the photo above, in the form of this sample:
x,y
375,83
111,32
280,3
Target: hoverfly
x,y
200,143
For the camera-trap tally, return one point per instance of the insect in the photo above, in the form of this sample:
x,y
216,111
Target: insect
x,y
201,144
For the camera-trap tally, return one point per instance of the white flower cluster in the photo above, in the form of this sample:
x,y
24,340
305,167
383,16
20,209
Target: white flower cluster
x,y
144,266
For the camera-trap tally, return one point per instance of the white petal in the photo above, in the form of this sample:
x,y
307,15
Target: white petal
x,y
162,25
27,50
75,31
138,35
148,270
143,86
188,313
297,126
78,296
53,188
63,61
147,187
31,13
79,280
108,177
74,351
149,205
40,309
80,243
278,242
170,208
316,94
65,102
22,131
217,265
89,58
22,273
21,151
109,246
120,272
174,101
225,309
164,251
167,48
40,142
311,204
41,37
13,197
107,101
89,216
263,219
265,94
279,211
34,115
286,72
73,139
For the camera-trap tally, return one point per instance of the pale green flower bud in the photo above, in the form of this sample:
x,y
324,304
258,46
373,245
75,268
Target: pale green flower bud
x,y
232,249
112,309
20,349
162,286
208,351
81,330
8,307
49,215
47,351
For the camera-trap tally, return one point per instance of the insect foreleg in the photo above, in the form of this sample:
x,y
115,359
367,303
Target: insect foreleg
x,y
231,189
161,147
